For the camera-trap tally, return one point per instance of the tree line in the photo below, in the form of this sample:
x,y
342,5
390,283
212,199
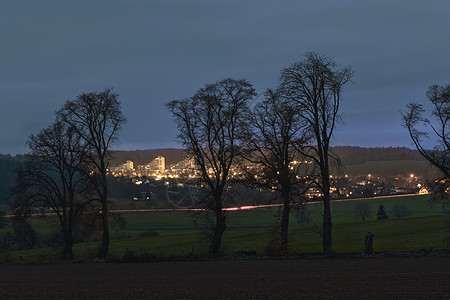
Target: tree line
x,y
292,123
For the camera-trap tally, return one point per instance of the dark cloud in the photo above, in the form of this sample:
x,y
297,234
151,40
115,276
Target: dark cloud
x,y
154,51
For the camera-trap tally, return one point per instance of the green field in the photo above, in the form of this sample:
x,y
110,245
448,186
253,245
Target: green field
x,y
174,232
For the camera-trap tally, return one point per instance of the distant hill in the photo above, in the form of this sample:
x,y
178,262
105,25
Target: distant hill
x,y
382,161
351,155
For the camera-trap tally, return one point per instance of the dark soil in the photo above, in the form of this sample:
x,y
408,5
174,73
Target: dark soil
x,y
345,278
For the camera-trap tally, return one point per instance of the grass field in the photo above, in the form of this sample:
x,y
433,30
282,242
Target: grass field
x,y
174,232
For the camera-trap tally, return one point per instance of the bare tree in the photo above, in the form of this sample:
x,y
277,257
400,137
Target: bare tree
x,y
316,83
97,118
211,124
54,179
421,130
362,211
400,211
277,131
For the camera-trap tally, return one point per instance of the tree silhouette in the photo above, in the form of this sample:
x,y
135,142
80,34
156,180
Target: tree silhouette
x,y
97,118
277,132
421,129
315,84
400,211
54,179
381,213
211,126
362,211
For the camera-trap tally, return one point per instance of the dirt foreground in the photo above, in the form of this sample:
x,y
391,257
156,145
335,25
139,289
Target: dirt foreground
x,y
426,277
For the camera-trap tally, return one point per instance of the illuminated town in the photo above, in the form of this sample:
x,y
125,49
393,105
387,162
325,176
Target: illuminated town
x,y
155,180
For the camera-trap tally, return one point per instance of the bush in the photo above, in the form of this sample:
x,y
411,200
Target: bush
x,y
7,242
22,237
381,213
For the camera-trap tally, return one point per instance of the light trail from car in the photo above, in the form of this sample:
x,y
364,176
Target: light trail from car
x,y
237,208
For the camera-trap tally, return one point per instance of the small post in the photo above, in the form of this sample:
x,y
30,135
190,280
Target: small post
x,y
368,245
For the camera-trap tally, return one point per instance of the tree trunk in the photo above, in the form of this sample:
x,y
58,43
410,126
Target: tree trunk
x,y
68,246
105,237
327,225
327,230
218,233
68,235
285,223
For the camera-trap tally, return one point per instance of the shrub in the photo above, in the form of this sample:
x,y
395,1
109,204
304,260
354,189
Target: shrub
x,y
381,213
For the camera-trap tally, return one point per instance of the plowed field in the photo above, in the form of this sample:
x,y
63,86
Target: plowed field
x,y
307,278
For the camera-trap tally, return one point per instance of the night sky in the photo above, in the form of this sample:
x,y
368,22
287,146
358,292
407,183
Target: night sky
x,y
152,52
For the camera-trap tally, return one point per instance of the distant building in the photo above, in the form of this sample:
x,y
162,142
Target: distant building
x,y
156,165
126,169
129,165
423,191
185,164
160,163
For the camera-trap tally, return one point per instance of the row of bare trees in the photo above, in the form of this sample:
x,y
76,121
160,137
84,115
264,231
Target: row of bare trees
x,y
285,136
294,122
67,165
